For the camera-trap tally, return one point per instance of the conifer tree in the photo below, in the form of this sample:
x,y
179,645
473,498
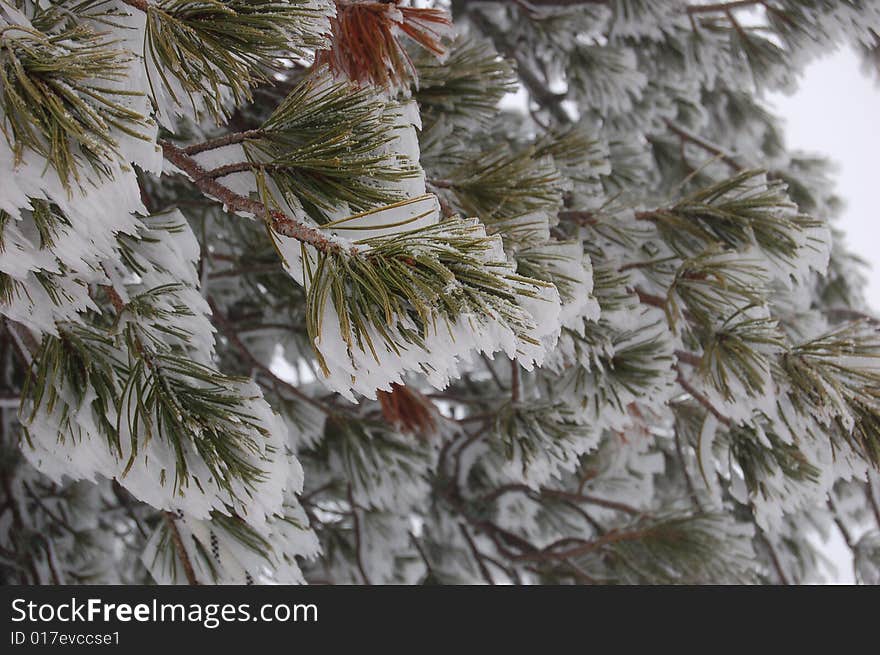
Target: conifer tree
x,y
288,295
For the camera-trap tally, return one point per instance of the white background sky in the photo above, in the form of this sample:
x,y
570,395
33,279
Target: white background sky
x,y
836,112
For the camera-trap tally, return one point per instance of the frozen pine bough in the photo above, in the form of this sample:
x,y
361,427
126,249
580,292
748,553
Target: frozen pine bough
x,y
325,291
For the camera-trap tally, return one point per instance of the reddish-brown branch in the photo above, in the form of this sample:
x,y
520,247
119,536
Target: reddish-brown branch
x,y
592,500
278,220
723,6
583,547
689,358
579,217
702,399
356,524
563,495
440,184
774,559
844,531
711,148
182,554
239,167
222,141
651,299
692,492
26,343
514,381
478,557
230,333
539,92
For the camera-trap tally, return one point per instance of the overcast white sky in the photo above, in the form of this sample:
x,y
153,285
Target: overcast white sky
x,y
836,112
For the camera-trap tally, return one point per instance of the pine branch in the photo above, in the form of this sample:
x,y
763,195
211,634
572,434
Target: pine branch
x,y
182,554
327,145
408,283
724,6
466,86
222,141
692,492
230,333
537,89
706,145
536,3
563,495
26,343
582,547
844,531
276,219
701,398
501,186
774,558
357,537
478,557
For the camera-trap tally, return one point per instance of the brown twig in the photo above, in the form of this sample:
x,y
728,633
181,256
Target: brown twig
x,y
578,217
692,491
722,6
650,299
536,88
357,536
702,399
230,333
564,495
514,382
582,547
717,151
222,141
844,531
278,220
689,358
774,558
115,299
25,342
478,557
182,554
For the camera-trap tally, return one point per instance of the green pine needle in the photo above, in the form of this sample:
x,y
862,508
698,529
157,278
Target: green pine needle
x,y
214,46
429,275
57,99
